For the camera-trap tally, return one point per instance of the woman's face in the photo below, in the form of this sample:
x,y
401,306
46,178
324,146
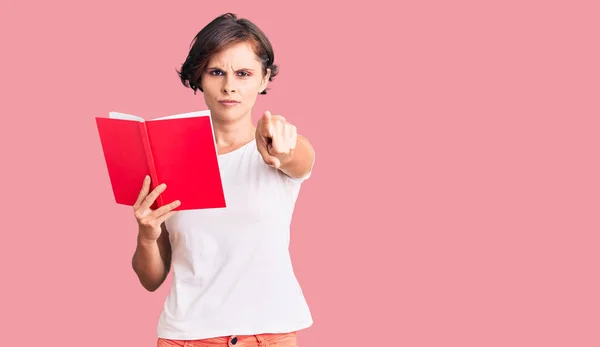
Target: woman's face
x,y
231,82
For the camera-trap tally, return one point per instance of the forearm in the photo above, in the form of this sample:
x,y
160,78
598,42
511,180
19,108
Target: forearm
x,y
302,159
149,265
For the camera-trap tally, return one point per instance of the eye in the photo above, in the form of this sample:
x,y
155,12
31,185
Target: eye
x,y
243,74
216,72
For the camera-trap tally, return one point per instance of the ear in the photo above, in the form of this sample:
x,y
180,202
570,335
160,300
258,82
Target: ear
x,y
265,81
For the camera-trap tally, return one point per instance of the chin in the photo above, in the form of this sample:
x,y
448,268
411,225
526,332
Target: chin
x,y
228,114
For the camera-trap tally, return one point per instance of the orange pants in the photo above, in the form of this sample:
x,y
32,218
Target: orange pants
x,y
262,340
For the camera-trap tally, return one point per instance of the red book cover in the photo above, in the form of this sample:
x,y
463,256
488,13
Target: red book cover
x,y
177,150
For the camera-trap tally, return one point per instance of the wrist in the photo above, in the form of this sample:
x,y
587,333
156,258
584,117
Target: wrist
x,y
145,241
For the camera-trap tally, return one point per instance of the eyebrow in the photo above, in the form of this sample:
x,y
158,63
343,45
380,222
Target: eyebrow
x,y
218,68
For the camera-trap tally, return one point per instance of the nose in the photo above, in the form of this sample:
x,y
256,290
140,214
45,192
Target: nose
x,y
228,84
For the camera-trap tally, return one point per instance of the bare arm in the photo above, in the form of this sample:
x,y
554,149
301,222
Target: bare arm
x,y
152,257
300,163
152,260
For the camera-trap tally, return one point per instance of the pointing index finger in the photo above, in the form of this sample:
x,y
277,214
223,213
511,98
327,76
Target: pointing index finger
x,y
267,116
267,124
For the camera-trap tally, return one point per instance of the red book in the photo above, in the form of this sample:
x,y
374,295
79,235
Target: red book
x,y
178,150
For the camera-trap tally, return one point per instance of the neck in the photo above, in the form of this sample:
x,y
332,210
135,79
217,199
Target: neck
x,y
230,135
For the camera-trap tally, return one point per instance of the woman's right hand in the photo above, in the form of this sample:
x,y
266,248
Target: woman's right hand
x,y
149,221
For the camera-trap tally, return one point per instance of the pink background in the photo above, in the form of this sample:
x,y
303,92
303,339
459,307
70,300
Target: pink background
x,y
455,198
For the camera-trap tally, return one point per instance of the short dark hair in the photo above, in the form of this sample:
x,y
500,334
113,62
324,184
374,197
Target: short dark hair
x,y
220,33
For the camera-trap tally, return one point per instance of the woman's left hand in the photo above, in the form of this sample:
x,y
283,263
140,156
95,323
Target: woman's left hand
x,y
275,139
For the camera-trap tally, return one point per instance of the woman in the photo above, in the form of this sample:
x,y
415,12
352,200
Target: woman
x,y
233,282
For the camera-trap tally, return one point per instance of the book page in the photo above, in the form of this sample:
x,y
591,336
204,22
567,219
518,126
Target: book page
x,y
124,116
185,115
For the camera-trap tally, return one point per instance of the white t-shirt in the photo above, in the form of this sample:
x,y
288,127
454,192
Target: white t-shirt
x,y
232,272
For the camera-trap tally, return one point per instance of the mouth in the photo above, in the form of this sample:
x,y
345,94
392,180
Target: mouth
x,y
228,102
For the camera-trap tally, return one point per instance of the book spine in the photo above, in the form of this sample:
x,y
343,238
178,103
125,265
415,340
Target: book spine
x,y
150,160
